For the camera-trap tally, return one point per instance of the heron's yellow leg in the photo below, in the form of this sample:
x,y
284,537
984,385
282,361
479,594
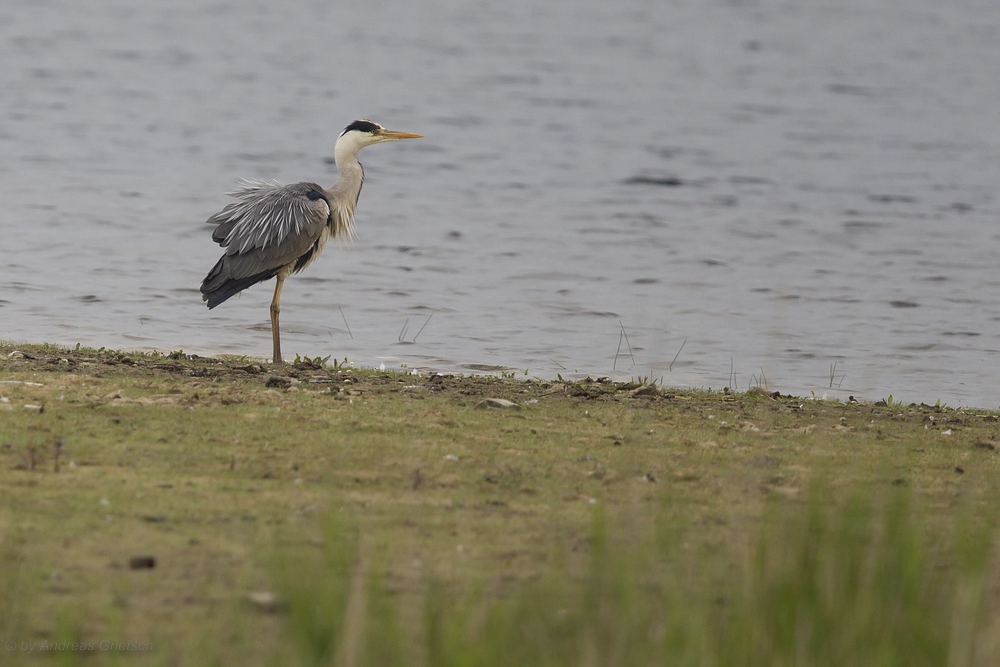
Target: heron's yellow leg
x,y
275,309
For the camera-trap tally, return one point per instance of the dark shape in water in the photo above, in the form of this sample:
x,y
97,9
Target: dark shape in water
x,y
668,181
888,199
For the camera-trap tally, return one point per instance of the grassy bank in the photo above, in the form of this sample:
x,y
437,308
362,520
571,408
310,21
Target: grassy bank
x,y
310,515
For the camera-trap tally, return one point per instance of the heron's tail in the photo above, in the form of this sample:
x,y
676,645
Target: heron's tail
x,y
219,286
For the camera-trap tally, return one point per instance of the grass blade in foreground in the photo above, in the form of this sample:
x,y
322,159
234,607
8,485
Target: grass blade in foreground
x,y
852,585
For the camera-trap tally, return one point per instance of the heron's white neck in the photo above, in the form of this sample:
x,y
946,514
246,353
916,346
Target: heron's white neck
x,y
345,151
343,195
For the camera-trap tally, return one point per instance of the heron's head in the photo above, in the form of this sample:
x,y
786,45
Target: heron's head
x,y
363,133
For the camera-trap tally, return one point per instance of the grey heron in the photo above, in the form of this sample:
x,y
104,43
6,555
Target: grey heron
x,y
276,230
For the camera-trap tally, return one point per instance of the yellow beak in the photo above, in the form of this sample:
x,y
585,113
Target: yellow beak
x,y
393,134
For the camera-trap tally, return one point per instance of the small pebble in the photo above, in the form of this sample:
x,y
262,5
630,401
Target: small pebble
x,y
496,404
265,601
142,562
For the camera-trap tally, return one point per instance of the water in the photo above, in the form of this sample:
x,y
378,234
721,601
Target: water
x,y
833,229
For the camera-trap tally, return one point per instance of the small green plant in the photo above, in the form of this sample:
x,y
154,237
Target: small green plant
x,y
646,381
315,363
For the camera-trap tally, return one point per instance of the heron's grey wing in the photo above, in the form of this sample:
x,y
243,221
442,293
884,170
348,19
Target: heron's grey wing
x,y
270,226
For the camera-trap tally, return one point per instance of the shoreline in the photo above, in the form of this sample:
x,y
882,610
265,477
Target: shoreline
x,y
49,350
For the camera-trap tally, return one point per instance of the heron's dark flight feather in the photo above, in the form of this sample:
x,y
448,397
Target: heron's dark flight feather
x,y
304,260
228,288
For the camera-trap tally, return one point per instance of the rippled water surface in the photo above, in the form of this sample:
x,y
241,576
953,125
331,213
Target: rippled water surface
x,y
790,188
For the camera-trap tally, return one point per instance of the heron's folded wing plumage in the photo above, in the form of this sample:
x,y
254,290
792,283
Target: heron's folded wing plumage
x,y
270,225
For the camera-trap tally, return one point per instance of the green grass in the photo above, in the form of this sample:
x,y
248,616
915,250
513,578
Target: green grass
x,y
316,516
817,584
851,584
